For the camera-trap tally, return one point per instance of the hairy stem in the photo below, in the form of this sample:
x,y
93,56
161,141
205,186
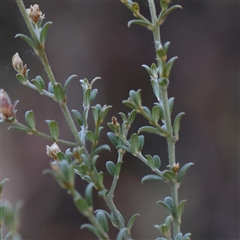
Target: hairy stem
x,y
167,118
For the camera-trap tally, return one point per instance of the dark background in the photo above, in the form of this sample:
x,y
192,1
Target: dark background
x,y
91,38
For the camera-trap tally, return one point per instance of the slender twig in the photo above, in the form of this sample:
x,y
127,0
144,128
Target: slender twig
x,y
170,141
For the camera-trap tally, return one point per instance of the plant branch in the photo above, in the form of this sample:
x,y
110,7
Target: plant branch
x,y
167,118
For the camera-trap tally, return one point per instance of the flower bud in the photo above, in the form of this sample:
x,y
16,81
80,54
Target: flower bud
x,y
7,109
175,167
53,150
17,63
34,13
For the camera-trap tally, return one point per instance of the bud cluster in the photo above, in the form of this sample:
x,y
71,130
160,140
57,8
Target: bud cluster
x,y
34,13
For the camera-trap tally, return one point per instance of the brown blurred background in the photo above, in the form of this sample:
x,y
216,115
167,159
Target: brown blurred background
x,y
91,38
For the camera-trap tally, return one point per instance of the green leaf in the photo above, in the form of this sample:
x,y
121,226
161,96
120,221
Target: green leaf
x,y
170,104
180,208
125,148
151,162
92,229
139,22
163,82
86,97
134,141
131,221
54,130
101,217
100,148
130,104
21,78
100,178
93,94
61,156
30,120
151,177
178,236
176,125
43,32
103,193
111,168
81,204
148,69
166,46
136,97
157,161
70,78
24,129
150,129
168,175
28,40
78,117
131,116
183,171
186,236
50,87
155,114
170,10
113,138
39,83
58,92
167,204
118,168
90,136
169,65
121,234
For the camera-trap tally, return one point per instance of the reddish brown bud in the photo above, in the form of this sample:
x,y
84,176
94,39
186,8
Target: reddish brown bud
x,y
175,167
34,13
114,121
7,109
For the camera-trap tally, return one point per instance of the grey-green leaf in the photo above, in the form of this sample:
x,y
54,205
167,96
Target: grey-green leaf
x,y
43,33
30,120
151,177
183,171
176,125
28,40
132,220
111,168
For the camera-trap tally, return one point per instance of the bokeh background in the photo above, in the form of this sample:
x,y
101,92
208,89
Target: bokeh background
x,y
91,38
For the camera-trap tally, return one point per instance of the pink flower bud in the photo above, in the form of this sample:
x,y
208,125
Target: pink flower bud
x,y
7,109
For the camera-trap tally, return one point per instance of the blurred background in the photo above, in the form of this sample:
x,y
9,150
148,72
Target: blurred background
x,y
91,38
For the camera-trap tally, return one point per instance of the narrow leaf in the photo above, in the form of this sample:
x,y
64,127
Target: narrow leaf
x,y
139,22
102,220
88,194
43,33
176,124
28,40
151,177
132,220
70,78
121,233
92,229
58,92
180,208
78,117
111,168
30,120
168,175
183,171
